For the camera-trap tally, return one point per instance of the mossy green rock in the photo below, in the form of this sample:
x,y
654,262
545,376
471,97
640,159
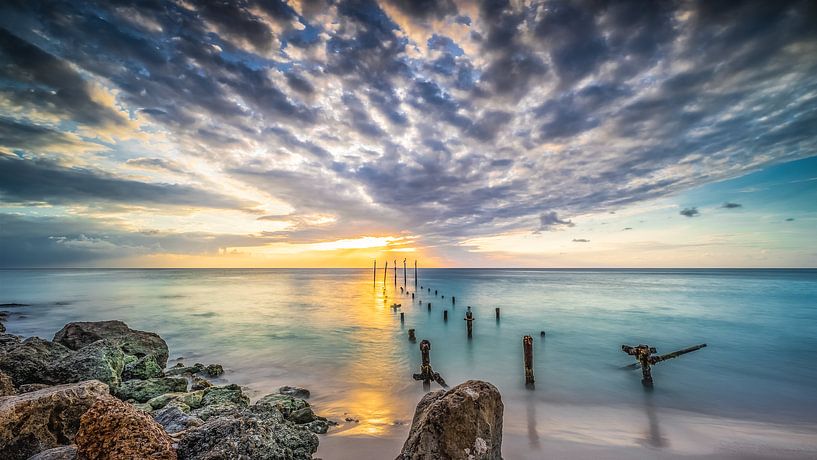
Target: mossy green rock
x,y
192,399
227,394
284,404
145,390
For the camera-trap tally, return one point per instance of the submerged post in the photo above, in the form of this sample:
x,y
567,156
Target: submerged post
x,y
411,335
445,315
429,306
643,354
527,349
453,300
402,317
469,321
497,313
427,374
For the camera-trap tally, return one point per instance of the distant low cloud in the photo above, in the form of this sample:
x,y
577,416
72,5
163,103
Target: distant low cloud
x,y
690,212
790,219
550,221
730,205
628,228
580,240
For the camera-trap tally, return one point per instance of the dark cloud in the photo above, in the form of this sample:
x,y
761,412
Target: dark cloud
x,y
155,163
44,181
580,240
690,212
550,221
628,228
790,219
730,205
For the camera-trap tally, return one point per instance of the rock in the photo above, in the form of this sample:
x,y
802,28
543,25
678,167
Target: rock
x,y
283,403
214,370
295,392
145,352
112,429
191,399
173,419
8,341
31,361
221,410
248,436
227,394
35,360
145,390
180,369
13,305
57,453
36,421
6,385
29,387
318,426
303,415
464,423
2,327
200,383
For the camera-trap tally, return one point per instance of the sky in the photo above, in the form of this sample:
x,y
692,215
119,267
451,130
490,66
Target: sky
x,y
264,133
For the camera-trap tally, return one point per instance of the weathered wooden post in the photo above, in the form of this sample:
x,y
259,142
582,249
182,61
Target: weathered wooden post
x,y
411,335
429,306
374,273
427,374
401,289
412,296
385,270
497,313
643,354
435,292
415,275
453,300
469,320
527,349
395,273
445,315
542,334
429,290
404,274
402,317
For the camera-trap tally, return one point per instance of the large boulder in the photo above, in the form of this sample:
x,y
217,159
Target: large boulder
x,y
145,352
112,430
463,423
40,420
250,436
35,360
144,390
284,404
57,453
8,341
174,419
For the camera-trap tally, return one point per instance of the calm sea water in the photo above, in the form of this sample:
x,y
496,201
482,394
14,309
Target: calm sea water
x,y
334,332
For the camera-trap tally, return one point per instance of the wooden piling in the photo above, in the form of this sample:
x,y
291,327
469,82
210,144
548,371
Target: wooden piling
x,y
415,274
412,296
404,274
453,300
427,374
395,273
497,313
385,270
445,315
527,349
469,321
374,273
402,317
411,335
435,292
429,306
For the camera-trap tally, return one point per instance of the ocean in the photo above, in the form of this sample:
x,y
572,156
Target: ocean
x,y
750,393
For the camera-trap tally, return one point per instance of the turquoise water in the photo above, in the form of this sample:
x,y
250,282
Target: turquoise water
x,y
334,332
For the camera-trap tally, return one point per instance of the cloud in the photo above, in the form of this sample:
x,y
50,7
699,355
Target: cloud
x,y
550,221
45,181
690,212
730,205
628,228
580,240
790,219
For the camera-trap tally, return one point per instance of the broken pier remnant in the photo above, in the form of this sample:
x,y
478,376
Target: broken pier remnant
x,y
643,354
469,321
411,335
427,374
527,351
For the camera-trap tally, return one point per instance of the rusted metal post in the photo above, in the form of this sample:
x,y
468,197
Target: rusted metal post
x,y
643,355
402,317
411,335
427,374
497,313
527,349
445,315
469,321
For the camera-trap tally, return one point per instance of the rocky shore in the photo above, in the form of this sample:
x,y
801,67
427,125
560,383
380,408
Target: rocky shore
x,y
101,390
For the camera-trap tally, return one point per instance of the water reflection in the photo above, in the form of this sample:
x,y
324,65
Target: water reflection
x,y
652,436
533,433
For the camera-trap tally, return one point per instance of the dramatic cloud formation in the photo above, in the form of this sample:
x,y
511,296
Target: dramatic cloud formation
x,y
444,120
